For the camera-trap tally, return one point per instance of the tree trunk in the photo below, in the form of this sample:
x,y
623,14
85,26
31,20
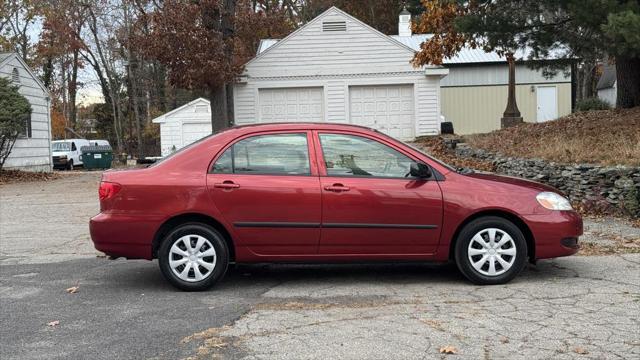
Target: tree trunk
x,y
228,30
132,89
47,71
219,113
73,90
230,113
628,81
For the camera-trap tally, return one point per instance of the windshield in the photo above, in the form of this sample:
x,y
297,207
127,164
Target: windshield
x,y
61,146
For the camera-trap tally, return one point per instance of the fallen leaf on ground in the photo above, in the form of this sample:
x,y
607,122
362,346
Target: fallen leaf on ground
x,y
73,289
581,351
53,323
448,350
504,339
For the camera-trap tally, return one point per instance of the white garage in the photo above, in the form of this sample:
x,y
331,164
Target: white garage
x,y
337,69
184,125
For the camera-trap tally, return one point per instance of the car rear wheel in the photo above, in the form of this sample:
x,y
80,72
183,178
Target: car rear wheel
x,y
193,257
490,250
70,165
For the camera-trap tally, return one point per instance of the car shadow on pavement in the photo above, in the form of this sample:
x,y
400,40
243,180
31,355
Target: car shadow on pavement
x,y
145,275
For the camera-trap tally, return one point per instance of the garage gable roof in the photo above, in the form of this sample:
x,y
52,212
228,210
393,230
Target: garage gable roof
x,y
275,44
186,107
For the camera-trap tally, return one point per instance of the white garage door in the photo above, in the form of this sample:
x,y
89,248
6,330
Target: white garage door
x,y
192,132
291,104
388,108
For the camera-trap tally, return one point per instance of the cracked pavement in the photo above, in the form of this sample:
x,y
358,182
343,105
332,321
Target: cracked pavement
x,y
574,307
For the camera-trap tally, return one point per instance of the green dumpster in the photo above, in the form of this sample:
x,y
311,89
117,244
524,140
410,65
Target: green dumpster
x,y
97,157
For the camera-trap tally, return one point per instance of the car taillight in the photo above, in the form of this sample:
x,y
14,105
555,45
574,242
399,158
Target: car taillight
x,y
108,190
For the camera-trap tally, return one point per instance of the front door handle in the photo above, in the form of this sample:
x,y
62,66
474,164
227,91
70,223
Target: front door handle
x,y
337,188
226,185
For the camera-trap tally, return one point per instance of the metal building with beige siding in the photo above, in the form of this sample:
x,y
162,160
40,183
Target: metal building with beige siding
x,y
474,94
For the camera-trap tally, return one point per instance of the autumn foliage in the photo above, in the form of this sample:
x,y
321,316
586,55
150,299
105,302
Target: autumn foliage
x,y
58,123
438,19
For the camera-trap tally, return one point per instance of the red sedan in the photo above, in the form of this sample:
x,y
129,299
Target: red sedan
x,y
303,192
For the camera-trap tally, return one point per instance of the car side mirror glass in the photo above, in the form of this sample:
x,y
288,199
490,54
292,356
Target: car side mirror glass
x,y
420,170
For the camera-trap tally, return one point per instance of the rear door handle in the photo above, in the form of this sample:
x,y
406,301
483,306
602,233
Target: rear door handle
x,y
337,188
226,185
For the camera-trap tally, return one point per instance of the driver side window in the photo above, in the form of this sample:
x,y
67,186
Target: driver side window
x,y
350,155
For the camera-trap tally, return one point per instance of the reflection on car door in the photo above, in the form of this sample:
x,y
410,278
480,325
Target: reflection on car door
x,y
369,206
265,187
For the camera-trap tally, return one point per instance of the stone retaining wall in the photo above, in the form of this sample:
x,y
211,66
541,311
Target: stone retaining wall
x,y
618,186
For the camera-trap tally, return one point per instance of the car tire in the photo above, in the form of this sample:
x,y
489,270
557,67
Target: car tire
x,y
70,165
182,261
490,250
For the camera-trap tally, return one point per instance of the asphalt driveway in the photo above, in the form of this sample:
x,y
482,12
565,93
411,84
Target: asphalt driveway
x,y
575,307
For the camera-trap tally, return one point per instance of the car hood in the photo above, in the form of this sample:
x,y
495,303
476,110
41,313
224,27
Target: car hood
x,y
59,153
514,181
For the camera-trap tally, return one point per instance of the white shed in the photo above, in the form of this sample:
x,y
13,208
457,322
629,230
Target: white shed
x,y
339,69
32,150
184,125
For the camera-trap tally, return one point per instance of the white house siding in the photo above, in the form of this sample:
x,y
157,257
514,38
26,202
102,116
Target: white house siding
x,y
475,96
335,62
31,154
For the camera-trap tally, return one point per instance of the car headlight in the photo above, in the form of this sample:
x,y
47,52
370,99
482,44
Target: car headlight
x,y
553,201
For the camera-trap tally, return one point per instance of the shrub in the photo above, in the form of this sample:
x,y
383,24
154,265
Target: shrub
x,y
593,103
14,111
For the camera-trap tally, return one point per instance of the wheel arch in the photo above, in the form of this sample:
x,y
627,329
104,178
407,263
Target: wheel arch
x,y
515,219
174,221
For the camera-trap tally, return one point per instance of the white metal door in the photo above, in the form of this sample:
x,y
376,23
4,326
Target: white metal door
x,y
547,103
291,104
388,108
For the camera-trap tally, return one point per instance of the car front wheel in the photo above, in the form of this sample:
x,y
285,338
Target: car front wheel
x,y
193,257
490,250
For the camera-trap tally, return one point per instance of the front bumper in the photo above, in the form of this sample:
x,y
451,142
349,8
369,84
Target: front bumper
x,y
120,235
556,233
60,162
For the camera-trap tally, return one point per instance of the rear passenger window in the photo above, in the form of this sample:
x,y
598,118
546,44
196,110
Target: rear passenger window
x,y
224,163
278,154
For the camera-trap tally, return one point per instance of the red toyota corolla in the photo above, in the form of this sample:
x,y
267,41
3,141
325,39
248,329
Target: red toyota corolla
x,y
304,192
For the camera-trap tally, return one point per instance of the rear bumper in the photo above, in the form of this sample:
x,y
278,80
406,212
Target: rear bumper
x,y
556,234
123,235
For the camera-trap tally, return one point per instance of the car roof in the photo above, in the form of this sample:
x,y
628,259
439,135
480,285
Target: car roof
x,y
300,126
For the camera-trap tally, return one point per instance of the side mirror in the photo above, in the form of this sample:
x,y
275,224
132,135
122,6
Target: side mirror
x,y
420,170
